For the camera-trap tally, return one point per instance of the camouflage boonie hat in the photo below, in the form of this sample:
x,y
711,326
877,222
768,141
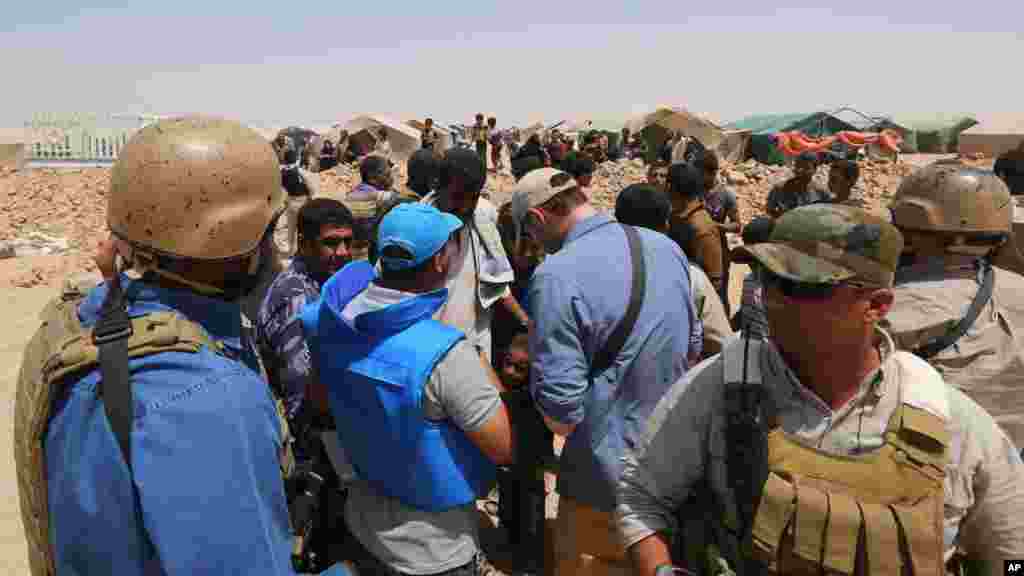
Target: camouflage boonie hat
x,y
829,243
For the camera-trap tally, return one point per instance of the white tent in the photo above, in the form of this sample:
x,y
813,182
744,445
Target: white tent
x,y
403,138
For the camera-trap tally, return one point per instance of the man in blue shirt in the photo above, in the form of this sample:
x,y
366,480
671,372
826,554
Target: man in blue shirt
x,y
144,446
578,296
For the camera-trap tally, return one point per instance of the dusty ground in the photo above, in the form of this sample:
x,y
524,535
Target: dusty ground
x,y
70,204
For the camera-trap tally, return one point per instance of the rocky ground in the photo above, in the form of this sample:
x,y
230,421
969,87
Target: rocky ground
x,y
51,219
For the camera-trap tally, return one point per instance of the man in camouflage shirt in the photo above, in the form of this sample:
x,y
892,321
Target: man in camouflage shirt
x,y
325,242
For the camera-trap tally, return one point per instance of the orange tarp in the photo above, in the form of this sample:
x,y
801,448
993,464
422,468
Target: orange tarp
x,y
794,143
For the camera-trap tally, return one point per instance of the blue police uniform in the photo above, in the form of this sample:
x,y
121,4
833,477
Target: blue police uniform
x,y
207,496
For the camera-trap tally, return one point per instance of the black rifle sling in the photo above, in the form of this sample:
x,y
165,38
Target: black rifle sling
x,y
604,359
981,298
111,335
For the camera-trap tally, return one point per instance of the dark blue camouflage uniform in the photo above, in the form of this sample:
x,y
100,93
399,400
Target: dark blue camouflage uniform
x,y
279,337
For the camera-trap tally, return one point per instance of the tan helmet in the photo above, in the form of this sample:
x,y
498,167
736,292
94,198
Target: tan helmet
x,y
195,188
953,198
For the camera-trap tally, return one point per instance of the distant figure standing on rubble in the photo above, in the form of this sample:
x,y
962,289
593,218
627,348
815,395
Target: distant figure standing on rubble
x,y
479,134
428,136
799,190
299,183
495,138
1010,167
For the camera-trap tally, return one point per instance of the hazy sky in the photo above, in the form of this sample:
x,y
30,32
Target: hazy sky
x,y
315,62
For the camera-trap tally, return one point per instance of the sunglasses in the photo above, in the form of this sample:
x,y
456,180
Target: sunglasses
x,y
797,290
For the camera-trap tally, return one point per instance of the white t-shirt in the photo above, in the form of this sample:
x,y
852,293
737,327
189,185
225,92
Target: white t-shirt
x,y
463,309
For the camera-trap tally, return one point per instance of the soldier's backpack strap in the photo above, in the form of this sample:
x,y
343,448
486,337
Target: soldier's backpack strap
x,y
60,348
981,298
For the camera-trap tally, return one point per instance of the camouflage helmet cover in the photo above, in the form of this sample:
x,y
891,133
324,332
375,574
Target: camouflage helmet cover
x,y
195,188
829,243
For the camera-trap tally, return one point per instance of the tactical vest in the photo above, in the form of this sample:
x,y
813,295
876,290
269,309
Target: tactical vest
x,y
62,347
876,513
376,395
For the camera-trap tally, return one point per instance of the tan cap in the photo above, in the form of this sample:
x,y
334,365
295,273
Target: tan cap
x,y
537,187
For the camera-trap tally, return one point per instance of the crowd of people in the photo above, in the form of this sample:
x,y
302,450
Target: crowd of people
x,y
210,410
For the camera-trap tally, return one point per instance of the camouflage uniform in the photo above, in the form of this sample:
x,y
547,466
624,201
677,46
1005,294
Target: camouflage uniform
x,y
279,336
933,295
987,362
968,470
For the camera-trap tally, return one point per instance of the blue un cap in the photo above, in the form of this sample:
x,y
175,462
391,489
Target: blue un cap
x,y
418,229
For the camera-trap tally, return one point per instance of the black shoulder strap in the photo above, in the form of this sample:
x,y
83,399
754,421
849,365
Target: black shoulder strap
x,y
981,298
604,359
111,335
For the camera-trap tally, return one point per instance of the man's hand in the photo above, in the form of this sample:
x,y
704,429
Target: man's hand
x,y
649,553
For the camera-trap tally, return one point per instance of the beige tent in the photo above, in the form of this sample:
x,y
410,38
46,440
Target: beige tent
x,y
403,138
993,135
733,147
678,119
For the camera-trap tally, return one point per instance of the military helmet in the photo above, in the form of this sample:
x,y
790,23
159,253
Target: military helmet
x,y
953,198
196,188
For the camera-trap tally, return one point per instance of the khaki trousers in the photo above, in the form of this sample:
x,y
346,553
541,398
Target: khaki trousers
x,y
586,542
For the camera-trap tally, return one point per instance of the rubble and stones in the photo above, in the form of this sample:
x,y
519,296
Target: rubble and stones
x,y
60,213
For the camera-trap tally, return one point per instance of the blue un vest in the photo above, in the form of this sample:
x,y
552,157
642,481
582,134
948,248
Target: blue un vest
x,y
375,379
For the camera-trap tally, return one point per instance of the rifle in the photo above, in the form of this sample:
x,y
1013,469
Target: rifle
x,y
315,497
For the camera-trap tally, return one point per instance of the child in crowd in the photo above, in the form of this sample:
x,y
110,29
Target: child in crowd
x,y
521,486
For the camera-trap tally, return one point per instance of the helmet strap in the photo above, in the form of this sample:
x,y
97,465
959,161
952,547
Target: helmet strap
x,y
145,262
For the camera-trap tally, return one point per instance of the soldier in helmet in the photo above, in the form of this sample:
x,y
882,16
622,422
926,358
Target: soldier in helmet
x,y
952,306
823,449
144,445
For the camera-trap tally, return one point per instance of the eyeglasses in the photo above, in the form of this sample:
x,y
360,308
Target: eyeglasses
x,y
797,290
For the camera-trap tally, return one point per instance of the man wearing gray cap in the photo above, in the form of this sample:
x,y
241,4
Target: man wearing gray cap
x,y
610,336
822,450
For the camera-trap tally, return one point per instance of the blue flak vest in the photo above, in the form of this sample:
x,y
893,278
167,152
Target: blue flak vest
x,y
375,376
